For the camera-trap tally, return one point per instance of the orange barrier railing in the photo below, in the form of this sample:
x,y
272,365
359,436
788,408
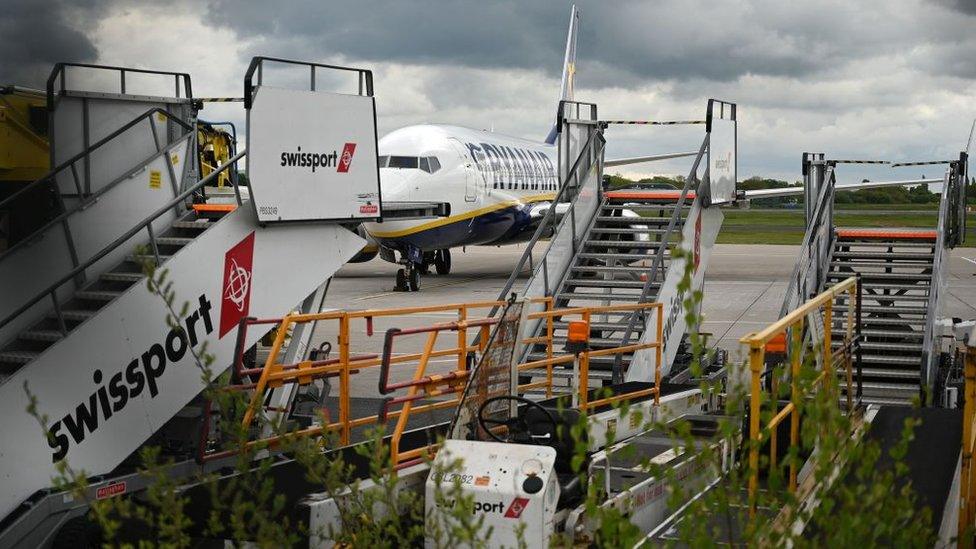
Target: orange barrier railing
x,y
426,386
758,341
422,385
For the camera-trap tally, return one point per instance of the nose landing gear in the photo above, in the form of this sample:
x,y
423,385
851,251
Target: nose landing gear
x,y
408,278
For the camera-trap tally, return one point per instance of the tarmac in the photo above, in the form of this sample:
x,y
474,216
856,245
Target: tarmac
x,y
744,288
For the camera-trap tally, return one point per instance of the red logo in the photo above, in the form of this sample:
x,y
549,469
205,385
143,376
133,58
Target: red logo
x,y
113,489
516,507
369,209
346,159
697,240
236,294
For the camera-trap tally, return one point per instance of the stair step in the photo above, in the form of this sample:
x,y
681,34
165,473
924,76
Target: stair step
x,y
97,295
894,287
627,230
575,296
617,204
40,335
644,220
602,244
608,269
201,224
565,373
601,283
865,276
883,297
173,240
142,258
912,361
602,326
118,276
882,346
628,257
868,332
883,264
75,315
913,374
887,309
854,242
18,357
880,388
894,256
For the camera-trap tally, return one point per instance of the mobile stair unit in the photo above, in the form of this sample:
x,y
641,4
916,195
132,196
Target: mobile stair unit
x,y
903,276
80,327
615,247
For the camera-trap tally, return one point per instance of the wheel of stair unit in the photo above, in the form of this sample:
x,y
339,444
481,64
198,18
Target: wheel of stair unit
x,y
442,262
79,532
401,281
413,280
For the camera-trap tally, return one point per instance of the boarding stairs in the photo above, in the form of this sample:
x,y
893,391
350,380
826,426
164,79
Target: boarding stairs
x,y
82,326
620,261
902,272
614,247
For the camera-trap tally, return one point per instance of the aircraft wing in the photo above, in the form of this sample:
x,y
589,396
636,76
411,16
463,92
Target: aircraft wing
x,y
652,158
794,191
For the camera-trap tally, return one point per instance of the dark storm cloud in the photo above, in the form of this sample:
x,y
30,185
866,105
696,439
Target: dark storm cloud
x,y
38,33
667,40
965,6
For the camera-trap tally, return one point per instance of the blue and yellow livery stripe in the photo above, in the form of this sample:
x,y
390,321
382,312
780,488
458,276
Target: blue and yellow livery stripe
x,y
463,216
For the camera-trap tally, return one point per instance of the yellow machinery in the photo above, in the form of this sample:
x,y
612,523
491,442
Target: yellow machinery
x,y
215,147
24,154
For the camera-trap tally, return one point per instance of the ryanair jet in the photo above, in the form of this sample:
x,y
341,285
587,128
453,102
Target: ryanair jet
x,y
498,187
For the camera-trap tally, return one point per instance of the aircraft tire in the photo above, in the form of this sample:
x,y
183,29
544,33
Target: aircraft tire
x,y
413,280
401,281
442,262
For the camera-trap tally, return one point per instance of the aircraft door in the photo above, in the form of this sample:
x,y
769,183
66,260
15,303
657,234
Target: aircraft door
x,y
467,166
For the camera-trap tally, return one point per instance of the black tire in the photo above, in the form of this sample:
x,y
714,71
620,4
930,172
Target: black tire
x,y
401,281
443,262
413,280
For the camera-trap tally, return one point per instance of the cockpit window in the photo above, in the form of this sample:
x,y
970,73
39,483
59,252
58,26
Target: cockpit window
x,y
429,164
403,162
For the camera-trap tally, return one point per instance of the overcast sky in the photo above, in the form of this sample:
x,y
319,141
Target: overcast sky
x,y
890,80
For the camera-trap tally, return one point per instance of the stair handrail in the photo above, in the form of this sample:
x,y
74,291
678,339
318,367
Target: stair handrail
x,y
935,286
146,223
87,200
817,230
550,216
658,263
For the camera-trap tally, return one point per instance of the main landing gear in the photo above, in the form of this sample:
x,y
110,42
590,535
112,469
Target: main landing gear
x,y
408,278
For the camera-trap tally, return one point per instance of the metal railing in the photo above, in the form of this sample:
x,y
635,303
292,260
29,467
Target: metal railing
x,y
550,224
812,265
947,235
87,199
256,70
967,474
656,274
794,323
59,76
145,224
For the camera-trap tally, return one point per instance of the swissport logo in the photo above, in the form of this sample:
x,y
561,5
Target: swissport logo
x,y
345,160
515,508
315,160
236,289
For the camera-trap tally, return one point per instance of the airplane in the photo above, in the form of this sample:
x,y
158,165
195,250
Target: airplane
x,y
498,187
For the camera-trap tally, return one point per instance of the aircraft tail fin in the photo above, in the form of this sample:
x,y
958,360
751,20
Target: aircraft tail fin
x,y
569,67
